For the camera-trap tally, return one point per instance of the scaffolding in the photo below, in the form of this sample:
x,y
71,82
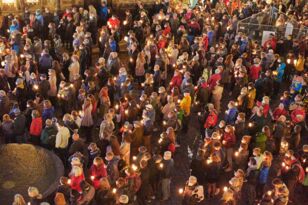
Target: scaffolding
x,y
255,26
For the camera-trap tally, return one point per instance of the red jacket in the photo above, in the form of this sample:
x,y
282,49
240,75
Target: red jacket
x,y
229,140
75,182
36,126
176,81
298,111
113,22
166,31
270,42
97,173
254,72
278,112
211,120
214,79
205,42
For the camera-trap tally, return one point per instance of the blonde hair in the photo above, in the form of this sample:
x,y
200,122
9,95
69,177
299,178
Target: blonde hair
x,y
6,118
104,183
19,200
33,192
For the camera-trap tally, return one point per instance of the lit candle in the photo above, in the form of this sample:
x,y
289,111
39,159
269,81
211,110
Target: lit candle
x,y
92,177
225,189
134,167
288,60
126,112
114,190
295,61
181,190
134,158
69,181
160,140
199,113
236,154
269,193
250,124
161,165
35,87
164,123
124,22
71,85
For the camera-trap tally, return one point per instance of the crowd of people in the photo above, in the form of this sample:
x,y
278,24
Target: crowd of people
x,y
117,121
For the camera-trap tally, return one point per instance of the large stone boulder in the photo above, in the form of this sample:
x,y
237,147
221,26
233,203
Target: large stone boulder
x,y
24,165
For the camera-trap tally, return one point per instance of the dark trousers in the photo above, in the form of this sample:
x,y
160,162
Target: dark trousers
x,y
62,154
35,140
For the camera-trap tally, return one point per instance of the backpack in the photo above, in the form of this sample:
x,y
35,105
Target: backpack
x,y
301,174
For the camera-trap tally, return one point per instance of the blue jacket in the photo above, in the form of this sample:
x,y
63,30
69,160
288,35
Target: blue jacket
x,y
113,46
103,11
263,175
280,72
231,117
210,36
14,28
40,19
48,113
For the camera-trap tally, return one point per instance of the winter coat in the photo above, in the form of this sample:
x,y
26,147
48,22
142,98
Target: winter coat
x,y
106,129
125,152
74,70
211,120
19,125
230,117
261,141
185,105
48,113
255,72
36,127
98,173
87,119
251,98
263,174
45,63
229,139
48,136
75,182
53,86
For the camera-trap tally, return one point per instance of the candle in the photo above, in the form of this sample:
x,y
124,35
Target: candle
x,y
35,87
114,190
134,158
181,190
250,124
288,60
92,177
236,154
225,189
71,85
199,113
134,167
126,112
126,38
161,165
269,193
160,140
69,181
164,123
295,61
116,106
124,22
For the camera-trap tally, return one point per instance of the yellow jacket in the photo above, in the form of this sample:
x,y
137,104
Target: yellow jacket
x,y
185,104
251,98
299,65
